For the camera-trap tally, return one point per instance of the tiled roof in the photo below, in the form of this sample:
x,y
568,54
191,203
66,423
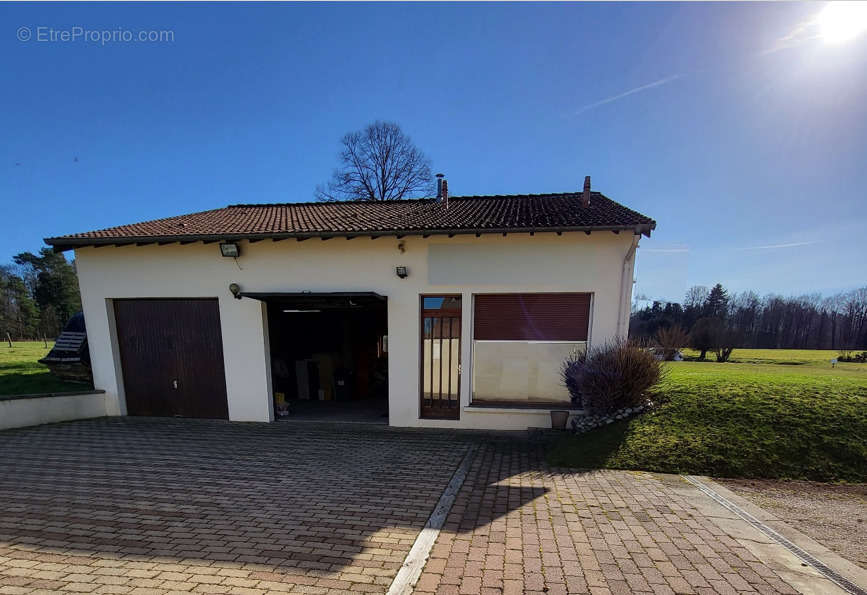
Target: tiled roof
x,y
464,214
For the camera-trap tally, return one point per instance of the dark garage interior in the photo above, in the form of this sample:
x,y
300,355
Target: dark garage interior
x,y
329,356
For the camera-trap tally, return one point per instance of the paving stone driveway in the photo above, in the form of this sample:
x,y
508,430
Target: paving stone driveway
x,y
125,505
518,526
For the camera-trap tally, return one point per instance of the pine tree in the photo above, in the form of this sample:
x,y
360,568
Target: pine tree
x,y
52,282
717,303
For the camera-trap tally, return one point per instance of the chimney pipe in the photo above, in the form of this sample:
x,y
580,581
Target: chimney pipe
x,y
445,197
440,187
585,198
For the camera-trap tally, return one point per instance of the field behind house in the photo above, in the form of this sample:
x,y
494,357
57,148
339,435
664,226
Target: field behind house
x,y
817,358
21,373
768,413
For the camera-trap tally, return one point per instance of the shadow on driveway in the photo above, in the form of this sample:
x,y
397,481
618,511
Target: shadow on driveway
x,y
302,502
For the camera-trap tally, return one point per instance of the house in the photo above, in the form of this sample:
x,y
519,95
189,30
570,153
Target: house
x,y
449,312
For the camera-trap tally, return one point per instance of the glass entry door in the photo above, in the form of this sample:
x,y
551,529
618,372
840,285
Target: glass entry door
x,y
440,356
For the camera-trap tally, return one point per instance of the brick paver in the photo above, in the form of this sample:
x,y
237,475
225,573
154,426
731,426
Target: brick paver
x,y
128,505
518,526
142,506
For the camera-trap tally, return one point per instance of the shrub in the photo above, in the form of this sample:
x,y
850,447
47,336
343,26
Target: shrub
x,y
612,377
570,372
671,340
846,355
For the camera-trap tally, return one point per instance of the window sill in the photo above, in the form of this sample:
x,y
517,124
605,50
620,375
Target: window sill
x,y
532,409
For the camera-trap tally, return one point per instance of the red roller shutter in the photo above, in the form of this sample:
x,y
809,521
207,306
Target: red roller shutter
x,y
531,317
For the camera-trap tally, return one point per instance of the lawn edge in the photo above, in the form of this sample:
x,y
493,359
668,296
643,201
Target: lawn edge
x,y
70,393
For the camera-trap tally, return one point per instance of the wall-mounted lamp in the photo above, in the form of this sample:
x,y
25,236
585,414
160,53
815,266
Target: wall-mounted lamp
x,y
236,290
402,272
230,250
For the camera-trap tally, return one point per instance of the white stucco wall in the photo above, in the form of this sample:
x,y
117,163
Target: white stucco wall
x,y
21,412
462,264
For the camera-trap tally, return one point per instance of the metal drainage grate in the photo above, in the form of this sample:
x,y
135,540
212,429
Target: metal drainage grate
x,y
830,574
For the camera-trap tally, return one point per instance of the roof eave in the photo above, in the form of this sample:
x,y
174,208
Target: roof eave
x,y
61,244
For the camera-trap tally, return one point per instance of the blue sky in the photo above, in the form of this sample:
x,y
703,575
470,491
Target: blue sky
x,y
752,161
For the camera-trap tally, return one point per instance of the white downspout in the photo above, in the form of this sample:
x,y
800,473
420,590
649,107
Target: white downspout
x,y
626,288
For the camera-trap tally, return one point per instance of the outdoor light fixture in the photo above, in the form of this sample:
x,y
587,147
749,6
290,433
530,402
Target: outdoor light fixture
x,y
402,272
236,290
230,250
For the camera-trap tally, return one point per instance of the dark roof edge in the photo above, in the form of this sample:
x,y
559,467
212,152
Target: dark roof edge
x,y
61,244
421,199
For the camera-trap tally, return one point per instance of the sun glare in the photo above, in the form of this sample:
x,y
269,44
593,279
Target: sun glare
x,y
842,21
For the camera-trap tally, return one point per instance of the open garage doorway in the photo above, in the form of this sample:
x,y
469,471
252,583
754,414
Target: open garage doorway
x,y
329,356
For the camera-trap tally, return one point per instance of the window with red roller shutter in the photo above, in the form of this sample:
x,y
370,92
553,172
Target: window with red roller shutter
x,y
531,317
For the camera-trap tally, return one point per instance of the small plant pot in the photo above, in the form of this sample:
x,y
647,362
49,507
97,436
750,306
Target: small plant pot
x,y
559,419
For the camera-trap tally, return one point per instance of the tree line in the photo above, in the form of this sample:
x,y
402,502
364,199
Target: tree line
x,y
746,320
38,295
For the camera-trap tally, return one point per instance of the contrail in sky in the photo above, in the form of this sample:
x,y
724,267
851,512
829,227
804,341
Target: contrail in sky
x,y
802,33
652,85
778,246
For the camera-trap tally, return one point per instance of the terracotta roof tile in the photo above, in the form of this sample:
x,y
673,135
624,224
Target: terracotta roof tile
x,y
465,214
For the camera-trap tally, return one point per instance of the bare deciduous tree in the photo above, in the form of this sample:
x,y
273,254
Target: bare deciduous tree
x,y
671,340
378,163
696,296
704,335
727,339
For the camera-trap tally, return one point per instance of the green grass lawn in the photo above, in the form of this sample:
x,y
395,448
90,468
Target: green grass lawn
x,y
789,357
21,373
784,414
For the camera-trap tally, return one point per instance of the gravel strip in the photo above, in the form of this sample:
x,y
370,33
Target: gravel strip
x,y
833,515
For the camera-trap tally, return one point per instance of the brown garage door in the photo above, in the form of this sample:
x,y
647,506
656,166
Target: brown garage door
x,y
171,352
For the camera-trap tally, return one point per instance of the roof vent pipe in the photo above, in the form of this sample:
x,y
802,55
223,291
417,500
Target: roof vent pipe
x,y
440,186
585,198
